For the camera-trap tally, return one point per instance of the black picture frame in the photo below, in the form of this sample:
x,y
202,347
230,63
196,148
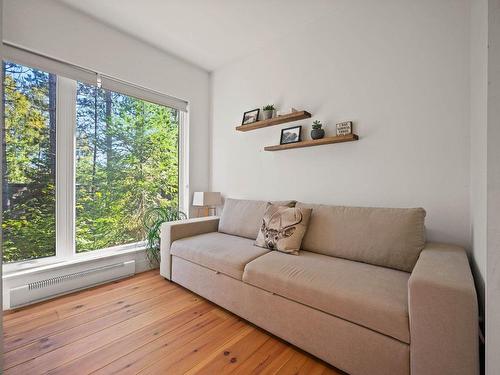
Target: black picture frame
x,y
253,116
286,139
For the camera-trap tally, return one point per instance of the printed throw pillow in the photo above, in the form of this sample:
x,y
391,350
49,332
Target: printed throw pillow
x,y
283,228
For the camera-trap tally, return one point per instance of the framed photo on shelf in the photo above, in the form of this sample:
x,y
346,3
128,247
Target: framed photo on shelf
x,y
290,135
249,117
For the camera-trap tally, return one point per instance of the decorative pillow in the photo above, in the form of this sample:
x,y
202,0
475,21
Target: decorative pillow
x,y
283,228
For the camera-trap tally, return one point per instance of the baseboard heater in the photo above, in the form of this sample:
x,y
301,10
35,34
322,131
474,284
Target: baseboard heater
x,y
55,286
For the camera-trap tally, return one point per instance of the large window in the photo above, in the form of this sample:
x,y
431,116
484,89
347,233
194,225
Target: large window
x,y
126,162
117,156
28,163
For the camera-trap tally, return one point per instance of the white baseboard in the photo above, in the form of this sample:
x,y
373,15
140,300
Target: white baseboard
x,y
19,279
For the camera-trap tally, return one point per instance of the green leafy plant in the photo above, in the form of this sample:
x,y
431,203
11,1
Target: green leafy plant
x,y
153,219
269,107
317,124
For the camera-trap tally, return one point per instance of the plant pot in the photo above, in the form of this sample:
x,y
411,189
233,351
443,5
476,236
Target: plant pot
x,y
317,133
268,113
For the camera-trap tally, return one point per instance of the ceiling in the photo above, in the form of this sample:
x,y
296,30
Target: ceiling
x,y
207,33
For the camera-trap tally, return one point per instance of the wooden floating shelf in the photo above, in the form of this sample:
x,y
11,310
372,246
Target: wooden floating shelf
x,y
294,116
314,142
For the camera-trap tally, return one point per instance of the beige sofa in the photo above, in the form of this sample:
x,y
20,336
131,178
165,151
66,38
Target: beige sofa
x,y
366,294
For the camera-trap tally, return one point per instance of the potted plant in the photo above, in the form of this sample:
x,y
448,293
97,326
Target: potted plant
x,y
153,219
268,112
317,132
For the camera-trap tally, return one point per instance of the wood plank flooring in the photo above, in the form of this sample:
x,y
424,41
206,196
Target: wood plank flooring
x,y
143,325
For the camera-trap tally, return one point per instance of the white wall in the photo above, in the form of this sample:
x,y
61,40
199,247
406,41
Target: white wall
x,y
478,134
493,260
400,71
58,31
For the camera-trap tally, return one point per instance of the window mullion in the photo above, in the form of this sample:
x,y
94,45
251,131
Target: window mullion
x,y
183,155
65,167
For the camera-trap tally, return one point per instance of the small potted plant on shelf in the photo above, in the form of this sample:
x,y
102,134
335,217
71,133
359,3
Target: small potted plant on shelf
x,y
268,112
317,132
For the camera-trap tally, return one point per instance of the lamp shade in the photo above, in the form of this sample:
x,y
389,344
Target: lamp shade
x,y
206,198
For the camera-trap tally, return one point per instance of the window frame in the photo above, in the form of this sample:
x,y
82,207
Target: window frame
x,y
67,78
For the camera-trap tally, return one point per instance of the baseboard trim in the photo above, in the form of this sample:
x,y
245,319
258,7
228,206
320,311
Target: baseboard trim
x,y
15,280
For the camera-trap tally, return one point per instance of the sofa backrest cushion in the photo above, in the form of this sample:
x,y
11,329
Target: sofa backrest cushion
x,y
241,217
388,237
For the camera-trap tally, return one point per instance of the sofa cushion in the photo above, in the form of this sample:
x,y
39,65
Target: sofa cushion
x,y
283,228
241,217
370,296
218,251
388,237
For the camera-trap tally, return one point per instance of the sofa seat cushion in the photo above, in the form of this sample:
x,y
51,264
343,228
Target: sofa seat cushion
x,y
370,296
218,251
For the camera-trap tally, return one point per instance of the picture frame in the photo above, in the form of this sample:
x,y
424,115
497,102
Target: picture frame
x,y
290,135
344,128
249,117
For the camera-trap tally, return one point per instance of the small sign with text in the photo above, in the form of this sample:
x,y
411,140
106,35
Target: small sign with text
x,y
344,128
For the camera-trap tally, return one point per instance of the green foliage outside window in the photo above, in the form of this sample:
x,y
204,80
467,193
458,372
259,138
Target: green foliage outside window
x,y
28,163
126,160
126,163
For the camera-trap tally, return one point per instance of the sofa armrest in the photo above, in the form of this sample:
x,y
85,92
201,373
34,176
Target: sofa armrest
x,y
443,313
176,230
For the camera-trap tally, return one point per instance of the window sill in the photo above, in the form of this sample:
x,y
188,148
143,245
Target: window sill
x,y
31,267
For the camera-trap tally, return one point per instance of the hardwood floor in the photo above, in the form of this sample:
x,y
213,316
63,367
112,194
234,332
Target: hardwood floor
x,y
143,325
